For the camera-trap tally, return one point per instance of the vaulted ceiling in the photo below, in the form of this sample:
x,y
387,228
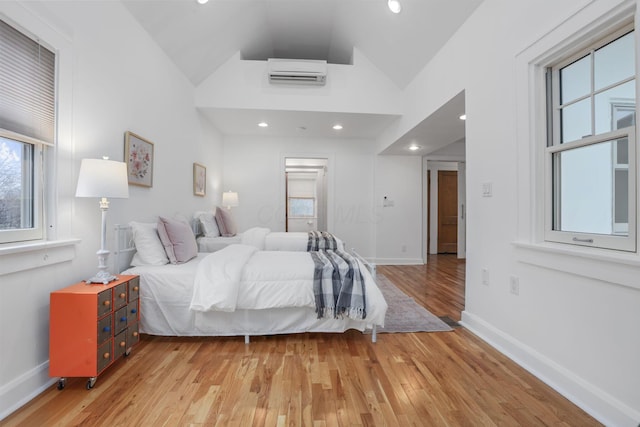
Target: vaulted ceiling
x,y
200,38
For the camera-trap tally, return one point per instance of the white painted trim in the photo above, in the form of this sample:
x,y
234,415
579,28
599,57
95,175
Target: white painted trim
x,y
593,400
25,256
398,261
26,387
600,264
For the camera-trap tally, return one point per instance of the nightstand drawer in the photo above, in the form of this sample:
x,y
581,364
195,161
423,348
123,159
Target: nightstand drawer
x,y
120,295
105,328
120,321
134,288
132,312
104,356
120,344
133,335
104,302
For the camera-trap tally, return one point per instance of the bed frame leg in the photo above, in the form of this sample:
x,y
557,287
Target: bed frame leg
x,y
374,334
246,339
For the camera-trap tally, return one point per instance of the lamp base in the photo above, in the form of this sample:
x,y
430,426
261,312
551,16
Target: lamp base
x,y
103,277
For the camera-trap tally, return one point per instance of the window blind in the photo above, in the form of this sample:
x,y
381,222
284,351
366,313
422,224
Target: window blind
x,y
27,86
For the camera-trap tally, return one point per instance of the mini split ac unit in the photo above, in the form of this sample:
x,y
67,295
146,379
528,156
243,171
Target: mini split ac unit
x,y
297,71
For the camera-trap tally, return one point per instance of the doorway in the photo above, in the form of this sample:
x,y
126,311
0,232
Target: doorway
x,y
445,200
306,194
447,212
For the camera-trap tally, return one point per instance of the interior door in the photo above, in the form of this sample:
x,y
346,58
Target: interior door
x,y
447,212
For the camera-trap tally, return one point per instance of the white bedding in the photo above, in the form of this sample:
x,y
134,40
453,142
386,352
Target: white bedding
x,y
212,244
274,296
261,238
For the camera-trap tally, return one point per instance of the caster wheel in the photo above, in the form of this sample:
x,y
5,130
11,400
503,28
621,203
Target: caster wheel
x,y
61,383
90,383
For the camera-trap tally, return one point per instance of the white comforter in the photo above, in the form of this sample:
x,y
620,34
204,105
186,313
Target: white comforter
x,y
242,277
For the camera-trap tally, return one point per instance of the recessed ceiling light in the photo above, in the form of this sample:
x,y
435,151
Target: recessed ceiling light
x,y
202,1
414,147
337,127
263,124
394,6
463,117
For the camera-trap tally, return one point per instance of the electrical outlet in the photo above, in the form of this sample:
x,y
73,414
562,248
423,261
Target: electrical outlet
x,y
485,276
514,285
487,189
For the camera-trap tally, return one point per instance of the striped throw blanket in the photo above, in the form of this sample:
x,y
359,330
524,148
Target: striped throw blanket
x,y
338,285
320,241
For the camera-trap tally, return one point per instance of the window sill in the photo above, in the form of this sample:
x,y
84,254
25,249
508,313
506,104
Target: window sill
x,y
608,266
39,253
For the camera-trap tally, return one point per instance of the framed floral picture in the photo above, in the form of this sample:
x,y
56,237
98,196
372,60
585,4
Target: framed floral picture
x,y
199,180
138,153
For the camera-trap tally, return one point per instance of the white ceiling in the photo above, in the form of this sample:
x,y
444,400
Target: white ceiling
x,y
442,128
200,38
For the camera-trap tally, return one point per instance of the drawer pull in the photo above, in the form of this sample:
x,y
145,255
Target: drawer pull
x,y
122,343
123,319
134,311
107,303
106,329
135,334
135,288
122,295
106,355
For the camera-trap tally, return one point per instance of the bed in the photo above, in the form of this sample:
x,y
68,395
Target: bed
x,y
272,293
265,239
217,229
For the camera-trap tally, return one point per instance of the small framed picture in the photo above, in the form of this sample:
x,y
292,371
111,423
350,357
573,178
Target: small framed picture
x,y
138,153
199,180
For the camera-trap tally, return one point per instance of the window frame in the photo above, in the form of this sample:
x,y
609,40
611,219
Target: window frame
x,y
43,165
37,231
553,144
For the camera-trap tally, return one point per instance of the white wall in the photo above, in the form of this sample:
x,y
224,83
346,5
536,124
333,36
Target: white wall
x,y
244,84
254,167
113,79
574,328
398,218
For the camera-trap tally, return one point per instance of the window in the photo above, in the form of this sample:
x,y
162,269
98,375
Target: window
x,y
590,155
302,207
19,200
27,117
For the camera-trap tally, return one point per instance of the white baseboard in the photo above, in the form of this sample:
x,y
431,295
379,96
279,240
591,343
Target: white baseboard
x,y
596,402
21,390
398,261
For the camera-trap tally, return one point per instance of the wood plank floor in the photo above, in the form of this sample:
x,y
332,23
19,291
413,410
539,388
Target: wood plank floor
x,y
419,379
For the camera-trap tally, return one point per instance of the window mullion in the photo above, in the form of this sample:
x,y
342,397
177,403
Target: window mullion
x,y
592,63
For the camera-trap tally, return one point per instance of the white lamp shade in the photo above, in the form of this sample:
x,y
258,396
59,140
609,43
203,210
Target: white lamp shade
x,y
102,178
230,199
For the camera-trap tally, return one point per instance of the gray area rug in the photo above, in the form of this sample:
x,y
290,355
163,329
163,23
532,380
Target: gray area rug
x,y
404,314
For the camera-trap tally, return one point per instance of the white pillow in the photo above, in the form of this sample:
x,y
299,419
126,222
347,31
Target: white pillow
x,y
178,240
226,224
149,249
209,225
